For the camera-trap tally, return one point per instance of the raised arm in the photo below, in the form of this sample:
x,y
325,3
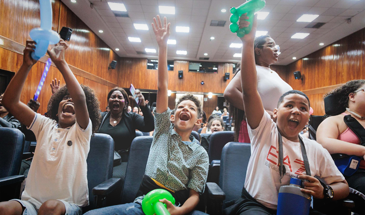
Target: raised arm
x,y
327,134
11,99
251,97
162,34
57,54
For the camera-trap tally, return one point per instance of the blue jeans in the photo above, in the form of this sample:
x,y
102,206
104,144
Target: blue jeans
x,y
126,209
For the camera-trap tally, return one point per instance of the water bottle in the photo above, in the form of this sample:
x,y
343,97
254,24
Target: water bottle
x,y
292,201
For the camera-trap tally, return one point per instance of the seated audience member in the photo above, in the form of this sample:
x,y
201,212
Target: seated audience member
x,y
215,124
140,112
135,110
129,109
206,130
264,178
217,111
63,141
121,125
6,119
176,161
334,134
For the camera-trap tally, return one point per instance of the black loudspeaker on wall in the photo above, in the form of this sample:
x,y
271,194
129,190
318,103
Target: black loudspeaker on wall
x,y
65,33
181,74
297,75
226,76
113,64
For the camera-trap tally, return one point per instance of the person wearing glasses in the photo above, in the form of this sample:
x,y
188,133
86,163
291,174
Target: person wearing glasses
x,y
337,137
270,86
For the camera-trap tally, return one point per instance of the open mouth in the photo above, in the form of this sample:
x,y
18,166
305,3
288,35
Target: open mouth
x,y
115,106
293,123
184,117
68,109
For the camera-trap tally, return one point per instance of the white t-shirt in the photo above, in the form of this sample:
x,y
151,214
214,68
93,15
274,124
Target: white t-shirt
x,y
59,169
263,177
270,87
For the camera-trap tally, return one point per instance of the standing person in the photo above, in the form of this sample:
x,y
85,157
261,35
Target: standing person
x,y
334,134
6,119
63,141
176,162
121,125
216,111
269,85
264,178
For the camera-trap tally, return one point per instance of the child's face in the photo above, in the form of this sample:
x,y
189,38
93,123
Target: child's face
x,y
292,115
186,116
66,112
116,102
216,126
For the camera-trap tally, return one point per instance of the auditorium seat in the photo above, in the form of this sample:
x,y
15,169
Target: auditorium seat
x,y
217,142
11,144
139,133
196,135
100,170
233,166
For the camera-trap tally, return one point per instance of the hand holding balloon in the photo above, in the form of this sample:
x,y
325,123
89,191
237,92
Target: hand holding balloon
x,y
151,202
250,7
44,35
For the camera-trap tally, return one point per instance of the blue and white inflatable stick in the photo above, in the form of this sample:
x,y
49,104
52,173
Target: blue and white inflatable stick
x,y
44,35
41,82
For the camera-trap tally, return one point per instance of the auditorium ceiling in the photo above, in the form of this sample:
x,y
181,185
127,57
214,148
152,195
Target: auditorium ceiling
x,y
336,19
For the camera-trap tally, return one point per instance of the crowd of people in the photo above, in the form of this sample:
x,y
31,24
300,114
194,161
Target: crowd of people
x,y
266,112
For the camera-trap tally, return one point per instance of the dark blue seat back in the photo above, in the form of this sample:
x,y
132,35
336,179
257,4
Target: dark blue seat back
x,y
196,135
138,155
217,142
99,163
139,133
11,151
234,161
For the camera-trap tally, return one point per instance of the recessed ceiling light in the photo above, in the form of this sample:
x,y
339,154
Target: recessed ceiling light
x,y
181,52
140,26
210,95
235,45
101,31
154,60
260,33
117,49
299,35
336,45
212,38
223,10
205,54
262,15
117,7
183,29
134,39
166,9
305,58
294,58
307,18
150,50
172,42
73,1
237,55
149,64
321,44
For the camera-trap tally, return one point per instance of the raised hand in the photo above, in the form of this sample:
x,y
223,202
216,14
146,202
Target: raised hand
x,y
162,32
55,85
57,53
29,48
243,23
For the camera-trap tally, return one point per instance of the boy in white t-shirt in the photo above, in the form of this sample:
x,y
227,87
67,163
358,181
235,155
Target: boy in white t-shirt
x,y
57,179
263,178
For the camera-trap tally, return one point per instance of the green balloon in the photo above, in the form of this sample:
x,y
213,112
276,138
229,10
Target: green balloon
x,y
151,202
250,7
233,27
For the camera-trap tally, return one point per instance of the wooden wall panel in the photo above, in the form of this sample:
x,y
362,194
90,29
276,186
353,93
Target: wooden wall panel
x,y
329,67
171,101
210,104
87,55
135,71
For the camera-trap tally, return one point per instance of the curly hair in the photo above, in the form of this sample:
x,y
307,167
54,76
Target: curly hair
x,y
91,102
193,99
342,92
215,118
125,95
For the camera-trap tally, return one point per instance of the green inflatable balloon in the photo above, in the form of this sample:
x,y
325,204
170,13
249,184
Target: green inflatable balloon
x,y
151,202
250,7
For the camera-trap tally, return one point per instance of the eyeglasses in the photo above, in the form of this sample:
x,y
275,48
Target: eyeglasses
x,y
277,47
361,89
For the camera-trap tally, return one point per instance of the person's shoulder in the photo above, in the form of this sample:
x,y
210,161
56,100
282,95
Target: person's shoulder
x,y
334,119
